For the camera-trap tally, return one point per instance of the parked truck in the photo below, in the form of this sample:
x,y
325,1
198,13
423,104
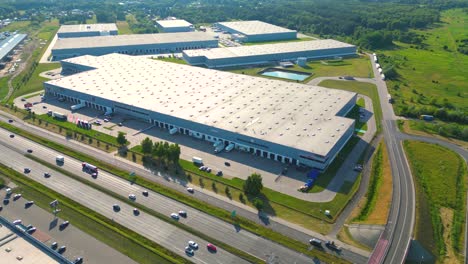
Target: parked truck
x,y
59,115
88,167
229,147
77,106
197,160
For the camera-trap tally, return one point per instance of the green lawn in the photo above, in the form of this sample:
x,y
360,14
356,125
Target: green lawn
x,y
367,89
124,28
440,181
357,67
21,26
3,87
428,76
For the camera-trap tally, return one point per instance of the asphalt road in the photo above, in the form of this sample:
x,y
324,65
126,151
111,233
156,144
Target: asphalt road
x,y
349,253
198,220
78,243
149,226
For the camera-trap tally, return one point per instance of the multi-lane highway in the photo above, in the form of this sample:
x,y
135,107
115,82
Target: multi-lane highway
x,y
207,224
149,226
349,253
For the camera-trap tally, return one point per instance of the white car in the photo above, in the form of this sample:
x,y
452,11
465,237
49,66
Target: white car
x,y
17,222
132,197
175,216
193,245
189,250
190,190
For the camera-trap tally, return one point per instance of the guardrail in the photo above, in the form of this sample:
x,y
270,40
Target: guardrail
x,y
35,242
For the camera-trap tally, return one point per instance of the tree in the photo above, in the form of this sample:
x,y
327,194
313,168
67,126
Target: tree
x,y
258,203
121,139
253,185
147,146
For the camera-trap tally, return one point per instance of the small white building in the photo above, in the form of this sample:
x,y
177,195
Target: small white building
x,y
174,25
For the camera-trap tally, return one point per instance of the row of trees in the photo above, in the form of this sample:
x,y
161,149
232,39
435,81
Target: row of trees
x,y
160,150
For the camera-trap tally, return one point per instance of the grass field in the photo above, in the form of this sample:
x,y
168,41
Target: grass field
x,y
358,67
35,82
367,89
440,181
433,73
124,28
3,87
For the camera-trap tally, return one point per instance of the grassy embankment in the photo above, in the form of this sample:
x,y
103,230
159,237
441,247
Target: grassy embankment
x,y
109,232
374,207
248,225
440,178
367,89
433,74
357,67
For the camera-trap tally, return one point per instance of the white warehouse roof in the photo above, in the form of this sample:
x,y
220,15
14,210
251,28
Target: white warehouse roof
x,y
87,27
254,27
266,49
291,114
173,23
128,40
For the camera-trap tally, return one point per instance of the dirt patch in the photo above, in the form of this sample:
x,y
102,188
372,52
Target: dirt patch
x,y
447,218
384,198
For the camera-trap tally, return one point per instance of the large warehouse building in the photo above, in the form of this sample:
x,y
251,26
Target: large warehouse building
x,y
9,44
139,44
268,53
174,25
287,122
87,30
257,31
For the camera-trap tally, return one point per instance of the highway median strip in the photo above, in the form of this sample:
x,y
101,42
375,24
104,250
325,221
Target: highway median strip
x,y
125,240
224,215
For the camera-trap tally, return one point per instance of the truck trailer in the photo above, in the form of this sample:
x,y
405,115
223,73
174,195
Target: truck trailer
x,y
88,167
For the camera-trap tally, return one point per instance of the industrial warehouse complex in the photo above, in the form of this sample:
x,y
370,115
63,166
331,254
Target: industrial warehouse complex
x,y
9,44
139,44
87,30
256,31
268,53
288,122
174,25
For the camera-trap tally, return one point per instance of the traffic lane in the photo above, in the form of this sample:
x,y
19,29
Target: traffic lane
x,y
203,222
284,229
461,151
78,243
161,232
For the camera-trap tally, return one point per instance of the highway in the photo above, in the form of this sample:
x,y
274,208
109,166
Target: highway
x,y
393,244
149,226
200,221
349,253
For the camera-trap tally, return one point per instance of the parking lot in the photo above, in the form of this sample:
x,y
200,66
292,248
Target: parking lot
x,y
78,243
242,164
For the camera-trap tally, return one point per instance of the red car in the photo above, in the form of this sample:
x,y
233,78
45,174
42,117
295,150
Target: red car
x,y
211,247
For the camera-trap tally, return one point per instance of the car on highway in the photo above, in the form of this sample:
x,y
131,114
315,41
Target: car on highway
x,y
211,247
1,208
94,175
31,230
136,211
8,191
208,169
27,170
16,196
17,222
54,245
202,168
331,245
145,193
6,201
193,244
190,190
10,120
219,173
183,213
227,163
116,207
358,168
29,150
61,249
64,225
78,260
315,242
28,204
29,226
189,251
46,174
12,136
175,216
132,197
